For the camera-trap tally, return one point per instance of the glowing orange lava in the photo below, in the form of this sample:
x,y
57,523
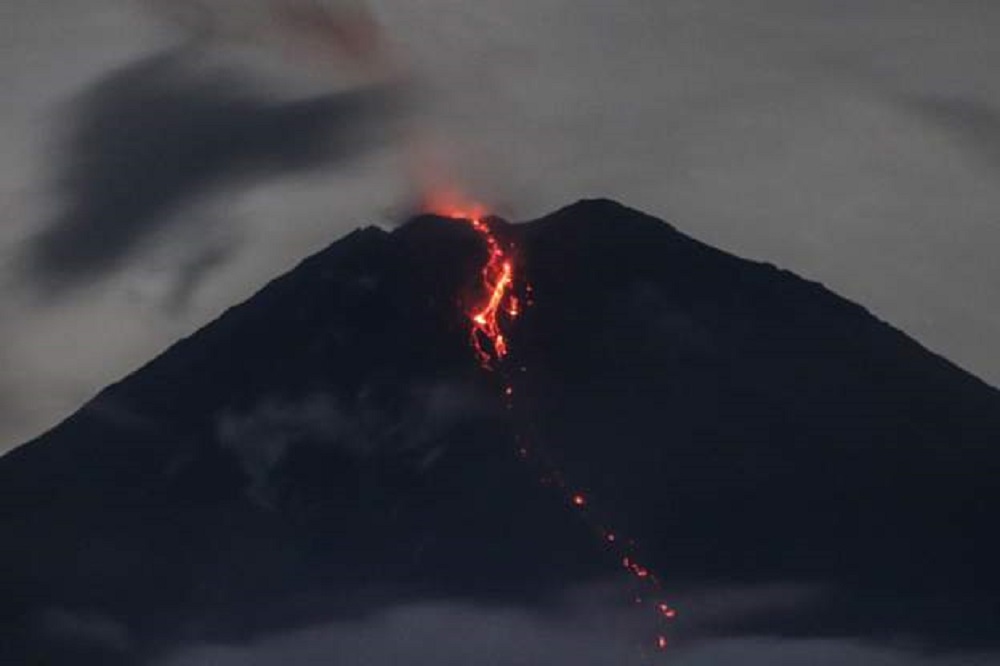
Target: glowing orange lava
x,y
498,281
499,303
498,306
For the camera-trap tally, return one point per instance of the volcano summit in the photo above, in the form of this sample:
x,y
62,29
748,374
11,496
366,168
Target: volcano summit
x,y
333,449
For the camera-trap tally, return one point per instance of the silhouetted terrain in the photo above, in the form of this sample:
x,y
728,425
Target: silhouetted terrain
x,y
331,446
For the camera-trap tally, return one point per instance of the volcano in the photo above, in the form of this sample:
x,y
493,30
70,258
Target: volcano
x,y
333,446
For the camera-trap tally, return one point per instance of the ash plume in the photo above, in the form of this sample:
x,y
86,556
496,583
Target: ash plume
x,y
157,133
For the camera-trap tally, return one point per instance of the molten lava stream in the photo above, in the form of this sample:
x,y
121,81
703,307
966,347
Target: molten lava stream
x,y
499,300
500,305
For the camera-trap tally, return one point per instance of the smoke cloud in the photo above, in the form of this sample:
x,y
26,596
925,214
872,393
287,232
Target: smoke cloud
x,y
161,132
975,122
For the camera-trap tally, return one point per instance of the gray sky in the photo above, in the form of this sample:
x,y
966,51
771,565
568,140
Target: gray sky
x,y
854,142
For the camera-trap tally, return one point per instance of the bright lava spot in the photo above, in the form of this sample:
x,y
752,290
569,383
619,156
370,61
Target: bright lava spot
x,y
579,500
661,642
666,611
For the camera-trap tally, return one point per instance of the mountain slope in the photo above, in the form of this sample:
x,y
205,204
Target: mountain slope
x,y
331,446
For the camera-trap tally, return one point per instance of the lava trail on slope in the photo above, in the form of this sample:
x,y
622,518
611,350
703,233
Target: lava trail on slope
x,y
498,307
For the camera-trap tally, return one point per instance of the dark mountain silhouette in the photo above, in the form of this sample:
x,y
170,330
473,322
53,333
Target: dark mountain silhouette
x,y
331,446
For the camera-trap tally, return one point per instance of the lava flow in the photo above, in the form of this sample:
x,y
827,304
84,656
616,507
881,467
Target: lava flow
x,y
499,305
499,301
498,281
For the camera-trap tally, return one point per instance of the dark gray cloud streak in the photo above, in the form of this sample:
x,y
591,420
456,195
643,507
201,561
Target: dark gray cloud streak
x,y
973,121
155,134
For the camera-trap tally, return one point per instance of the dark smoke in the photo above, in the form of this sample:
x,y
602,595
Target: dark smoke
x,y
153,135
973,121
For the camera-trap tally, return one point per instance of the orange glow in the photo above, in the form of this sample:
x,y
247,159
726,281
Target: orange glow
x,y
499,303
498,280
450,203
661,642
579,500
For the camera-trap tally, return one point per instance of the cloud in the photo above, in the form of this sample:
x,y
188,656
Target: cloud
x,y
460,636
261,437
84,628
154,135
344,27
587,626
815,652
380,420
745,609
193,270
975,122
